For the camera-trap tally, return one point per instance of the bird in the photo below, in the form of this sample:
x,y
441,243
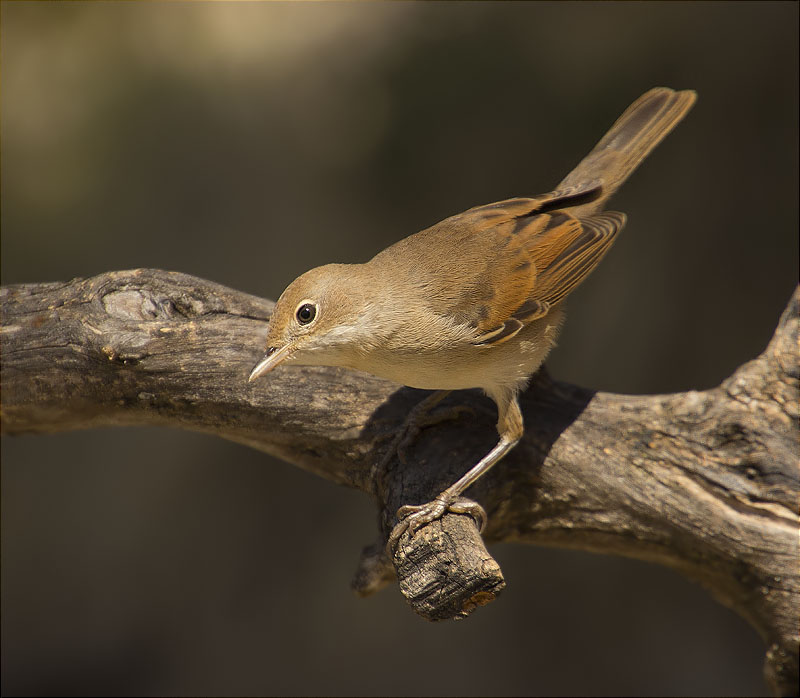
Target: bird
x,y
475,301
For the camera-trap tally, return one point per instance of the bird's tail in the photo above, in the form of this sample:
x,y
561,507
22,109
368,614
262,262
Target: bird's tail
x,y
630,140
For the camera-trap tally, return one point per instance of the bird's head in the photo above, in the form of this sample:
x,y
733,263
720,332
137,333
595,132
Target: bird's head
x,y
316,320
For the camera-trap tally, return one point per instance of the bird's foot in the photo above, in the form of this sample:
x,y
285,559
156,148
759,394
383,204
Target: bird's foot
x,y
414,517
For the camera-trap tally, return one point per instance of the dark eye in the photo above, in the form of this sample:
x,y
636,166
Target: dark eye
x,y
306,313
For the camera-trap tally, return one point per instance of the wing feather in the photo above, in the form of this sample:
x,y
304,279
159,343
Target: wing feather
x,y
562,274
560,252
511,261
490,214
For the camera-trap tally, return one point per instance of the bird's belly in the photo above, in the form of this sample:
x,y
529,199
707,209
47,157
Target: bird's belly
x,y
433,372
466,365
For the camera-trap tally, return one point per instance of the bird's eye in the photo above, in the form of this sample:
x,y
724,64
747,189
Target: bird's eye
x,y
306,313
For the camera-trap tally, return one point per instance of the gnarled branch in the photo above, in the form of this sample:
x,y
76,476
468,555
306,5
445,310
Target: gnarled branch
x,y
704,482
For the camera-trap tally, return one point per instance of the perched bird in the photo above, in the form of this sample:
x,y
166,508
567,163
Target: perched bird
x,y
475,301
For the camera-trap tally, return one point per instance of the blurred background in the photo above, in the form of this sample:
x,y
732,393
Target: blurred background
x,y
245,143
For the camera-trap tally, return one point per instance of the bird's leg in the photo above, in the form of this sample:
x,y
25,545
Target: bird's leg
x,y
417,419
412,518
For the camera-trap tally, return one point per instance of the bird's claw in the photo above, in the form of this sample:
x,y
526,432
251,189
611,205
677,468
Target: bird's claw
x,y
414,517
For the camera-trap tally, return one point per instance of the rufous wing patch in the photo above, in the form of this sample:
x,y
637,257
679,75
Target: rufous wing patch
x,y
560,273
562,252
529,254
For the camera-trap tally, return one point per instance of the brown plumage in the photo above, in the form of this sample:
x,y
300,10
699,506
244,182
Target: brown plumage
x,y
476,300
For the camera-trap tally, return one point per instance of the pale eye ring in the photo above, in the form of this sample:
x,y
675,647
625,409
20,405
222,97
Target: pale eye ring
x,y
305,313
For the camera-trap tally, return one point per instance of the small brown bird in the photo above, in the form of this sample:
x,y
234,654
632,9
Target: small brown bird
x,y
475,301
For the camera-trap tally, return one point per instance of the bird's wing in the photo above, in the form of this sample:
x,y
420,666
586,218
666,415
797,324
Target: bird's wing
x,y
497,267
537,254
563,266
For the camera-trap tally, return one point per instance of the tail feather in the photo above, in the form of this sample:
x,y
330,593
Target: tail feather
x,y
630,140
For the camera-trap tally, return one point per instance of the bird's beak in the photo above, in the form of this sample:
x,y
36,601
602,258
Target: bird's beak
x,y
271,359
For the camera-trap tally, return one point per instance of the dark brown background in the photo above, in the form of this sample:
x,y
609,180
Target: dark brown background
x,y
246,143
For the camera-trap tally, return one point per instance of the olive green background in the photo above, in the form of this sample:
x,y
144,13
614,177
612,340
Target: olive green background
x,y
245,143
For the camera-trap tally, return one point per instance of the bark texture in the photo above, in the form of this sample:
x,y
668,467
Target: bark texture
x,y
704,482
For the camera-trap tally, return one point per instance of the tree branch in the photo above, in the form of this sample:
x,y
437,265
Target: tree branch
x,y
704,482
